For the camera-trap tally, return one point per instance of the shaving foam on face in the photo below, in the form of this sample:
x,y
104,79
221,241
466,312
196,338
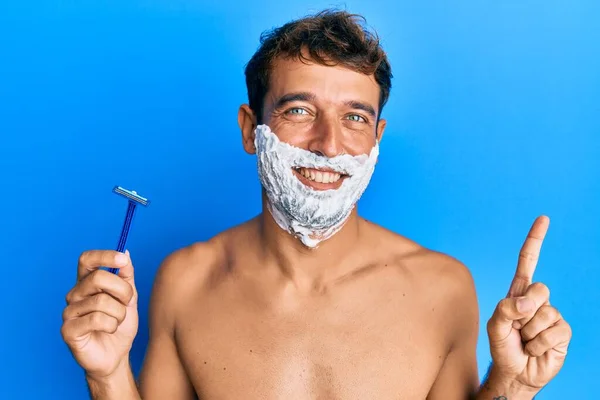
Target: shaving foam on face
x,y
311,215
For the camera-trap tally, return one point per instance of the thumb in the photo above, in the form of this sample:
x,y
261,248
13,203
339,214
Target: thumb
x,y
126,268
507,311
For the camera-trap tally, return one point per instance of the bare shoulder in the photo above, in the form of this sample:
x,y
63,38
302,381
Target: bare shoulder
x,y
187,265
443,272
438,275
191,270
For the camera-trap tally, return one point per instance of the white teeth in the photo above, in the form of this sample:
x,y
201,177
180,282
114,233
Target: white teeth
x,y
319,176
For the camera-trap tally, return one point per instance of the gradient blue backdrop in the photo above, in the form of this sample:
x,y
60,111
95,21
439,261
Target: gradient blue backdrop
x,y
493,120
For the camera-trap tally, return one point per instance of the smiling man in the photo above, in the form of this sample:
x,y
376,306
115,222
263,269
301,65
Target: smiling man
x,y
308,300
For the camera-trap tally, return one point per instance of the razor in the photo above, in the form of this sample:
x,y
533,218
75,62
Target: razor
x,y
134,200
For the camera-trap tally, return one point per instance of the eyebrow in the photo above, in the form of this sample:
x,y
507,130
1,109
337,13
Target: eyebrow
x,y
296,96
359,105
307,96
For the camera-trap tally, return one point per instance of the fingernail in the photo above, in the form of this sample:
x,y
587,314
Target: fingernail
x,y
524,304
121,259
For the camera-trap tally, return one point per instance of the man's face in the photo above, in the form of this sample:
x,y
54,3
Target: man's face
x,y
317,145
325,110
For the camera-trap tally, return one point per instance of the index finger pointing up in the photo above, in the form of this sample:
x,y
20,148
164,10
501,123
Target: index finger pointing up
x,y
528,257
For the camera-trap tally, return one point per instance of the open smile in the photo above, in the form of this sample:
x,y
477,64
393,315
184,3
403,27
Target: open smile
x,y
320,179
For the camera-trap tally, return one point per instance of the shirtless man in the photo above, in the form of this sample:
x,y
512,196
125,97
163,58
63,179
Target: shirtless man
x,y
308,300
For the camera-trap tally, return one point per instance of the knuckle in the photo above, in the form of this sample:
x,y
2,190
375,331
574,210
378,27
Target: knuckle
x,y
533,348
540,288
129,292
88,257
546,336
112,325
101,321
65,332
97,277
72,295
520,283
93,276
520,278
83,257
490,325
528,256
538,285
565,327
526,334
505,306
97,319
123,291
66,313
547,313
100,301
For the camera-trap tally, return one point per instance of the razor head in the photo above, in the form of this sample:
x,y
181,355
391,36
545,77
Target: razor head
x,y
131,195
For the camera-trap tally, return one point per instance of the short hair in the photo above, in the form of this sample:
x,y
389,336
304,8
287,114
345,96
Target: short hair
x,y
330,37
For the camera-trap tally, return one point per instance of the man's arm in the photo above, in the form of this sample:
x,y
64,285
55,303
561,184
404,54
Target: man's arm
x,y
458,378
163,375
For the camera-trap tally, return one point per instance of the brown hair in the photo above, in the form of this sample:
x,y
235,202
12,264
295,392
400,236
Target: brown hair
x,y
331,38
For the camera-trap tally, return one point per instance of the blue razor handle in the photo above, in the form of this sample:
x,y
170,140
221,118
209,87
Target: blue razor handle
x,y
134,200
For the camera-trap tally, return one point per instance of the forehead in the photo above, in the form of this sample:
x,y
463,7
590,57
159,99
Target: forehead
x,y
328,83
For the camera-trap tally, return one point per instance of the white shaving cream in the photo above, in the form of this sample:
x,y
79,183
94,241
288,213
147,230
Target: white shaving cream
x,y
311,215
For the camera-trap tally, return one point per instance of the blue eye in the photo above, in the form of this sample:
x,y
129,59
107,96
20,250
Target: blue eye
x,y
291,110
357,118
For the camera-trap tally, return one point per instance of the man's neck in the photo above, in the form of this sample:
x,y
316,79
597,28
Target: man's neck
x,y
309,268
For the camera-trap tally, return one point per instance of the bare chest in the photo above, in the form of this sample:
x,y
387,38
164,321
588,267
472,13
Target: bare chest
x,y
366,347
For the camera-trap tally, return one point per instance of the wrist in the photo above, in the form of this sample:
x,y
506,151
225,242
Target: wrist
x,y
122,369
119,384
498,387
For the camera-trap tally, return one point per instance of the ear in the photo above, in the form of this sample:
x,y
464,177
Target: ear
x,y
247,124
380,129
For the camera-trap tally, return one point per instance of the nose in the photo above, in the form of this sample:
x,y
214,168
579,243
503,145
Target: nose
x,y
327,138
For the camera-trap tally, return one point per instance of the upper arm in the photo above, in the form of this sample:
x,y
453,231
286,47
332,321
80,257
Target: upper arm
x,y
163,375
459,378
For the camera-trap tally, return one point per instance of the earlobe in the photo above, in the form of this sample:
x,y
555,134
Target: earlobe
x,y
250,147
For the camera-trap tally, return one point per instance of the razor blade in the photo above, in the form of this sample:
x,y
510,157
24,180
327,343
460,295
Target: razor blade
x,y
131,195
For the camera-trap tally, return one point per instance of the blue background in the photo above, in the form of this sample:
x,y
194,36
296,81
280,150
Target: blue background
x,y
492,121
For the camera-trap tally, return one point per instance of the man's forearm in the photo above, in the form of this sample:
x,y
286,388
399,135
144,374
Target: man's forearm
x,y
120,385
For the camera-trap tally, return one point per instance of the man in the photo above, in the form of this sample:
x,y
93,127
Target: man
x,y
308,300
